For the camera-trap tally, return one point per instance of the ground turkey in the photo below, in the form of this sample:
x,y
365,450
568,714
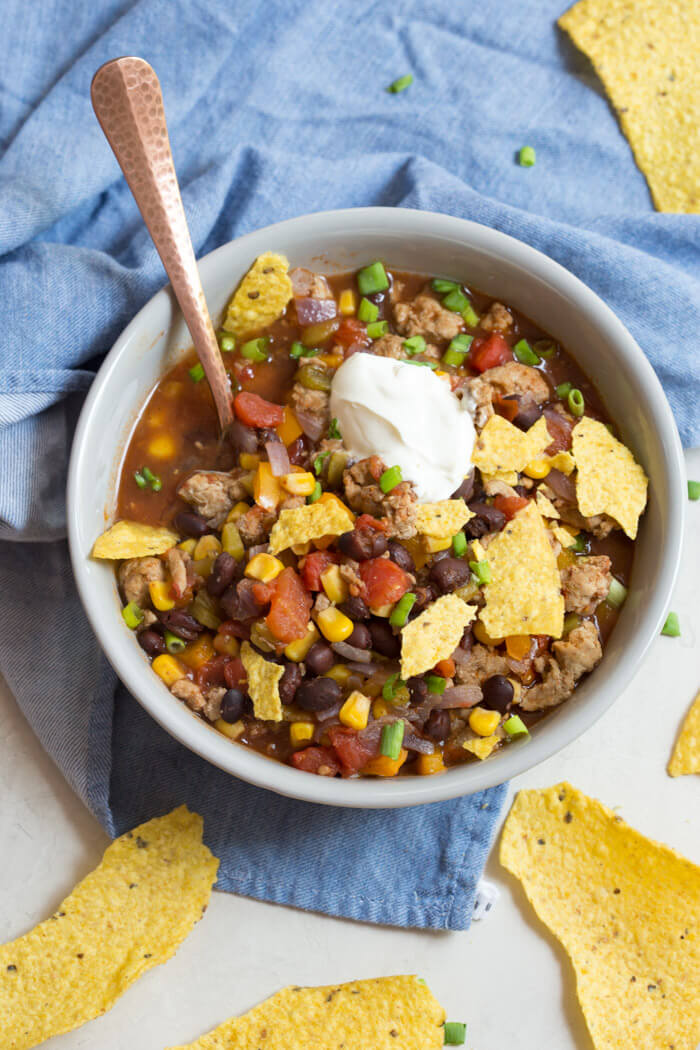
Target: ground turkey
x,y
600,525
254,526
397,507
481,396
392,346
425,316
180,568
213,493
136,574
497,319
586,583
572,657
314,404
482,664
204,703
514,378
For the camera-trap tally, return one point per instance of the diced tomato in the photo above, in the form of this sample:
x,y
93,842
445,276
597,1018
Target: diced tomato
x,y
488,353
213,672
559,428
255,411
445,668
314,564
507,407
351,331
235,676
384,581
262,592
290,608
510,505
319,760
366,521
353,752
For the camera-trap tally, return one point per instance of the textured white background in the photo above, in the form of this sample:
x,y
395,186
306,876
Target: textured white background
x,y
506,977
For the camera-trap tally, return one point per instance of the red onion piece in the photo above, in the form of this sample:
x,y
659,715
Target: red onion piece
x,y
562,486
461,656
310,423
362,668
460,696
352,652
414,742
279,458
313,311
259,548
302,280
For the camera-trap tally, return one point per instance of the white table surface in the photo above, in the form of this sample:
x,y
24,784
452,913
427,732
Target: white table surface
x,y
244,950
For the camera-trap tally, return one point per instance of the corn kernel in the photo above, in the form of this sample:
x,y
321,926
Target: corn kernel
x,y
162,447
289,429
227,644
385,767
299,484
172,389
206,547
263,567
339,673
249,460
231,540
267,491
238,511
347,302
433,544
168,668
334,625
298,649
483,722
380,708
482,635
334,585
248,482
187,546
538,468
381,610
331,360
300,733
427,765
355,711
203,566
198,652
157,418
160,595
230,729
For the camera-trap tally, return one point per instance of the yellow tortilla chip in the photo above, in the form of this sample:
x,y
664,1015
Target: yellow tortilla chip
x,y
444,518
626,910
481,746
130,914
387,1013
131,539
261,297
545,505
310,522
263,684
563,535
434,635
562,461
608,480
502,449
686,753
510,477
524,596
646,54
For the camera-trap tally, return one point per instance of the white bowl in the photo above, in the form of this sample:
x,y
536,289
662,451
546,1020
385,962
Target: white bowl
x,y
425,243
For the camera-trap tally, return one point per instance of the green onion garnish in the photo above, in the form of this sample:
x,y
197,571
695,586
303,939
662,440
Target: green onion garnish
x,y
226,341
694,490
456,301
367,311
616,594
436,683
424,364
576,402
457,350
563,390
455,1033
459,545
527,157
544,348
392,739
298,349
140,480
334,429
132,615
672,627
172,643
196,372
376,329
470,316
515,727
152,479
399,614
392,686
319,461
255,349
401,84
414,345
316,494
524,353
580,543
482,571
372,279
390,479
442,287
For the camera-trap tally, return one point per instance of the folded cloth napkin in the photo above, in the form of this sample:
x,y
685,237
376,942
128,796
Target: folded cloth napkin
x,y
276,110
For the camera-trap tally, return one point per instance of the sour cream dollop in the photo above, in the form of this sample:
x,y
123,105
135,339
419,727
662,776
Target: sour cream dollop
x,y
409,417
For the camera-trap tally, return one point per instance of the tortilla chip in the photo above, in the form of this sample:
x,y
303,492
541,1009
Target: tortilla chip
x,y
686,753
563,535
263,684
130,914
444,518
562,461
626,910
434,635
481,746
310,522
645,52
510,477
261,297
608,480
501,449
524,596
387,1013
545,505
131,539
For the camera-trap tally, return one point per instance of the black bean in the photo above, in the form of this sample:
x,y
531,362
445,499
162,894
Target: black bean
x,y
528,415
241,437
360,637
151,642
438,724
233,705
317,694
298,452
424,596
418,689
486,519
361,544
449,574
239,602
188,523
289,683
399,554
181,623
384,641
466,489
223,573
320,658
355,609
467,640
497,693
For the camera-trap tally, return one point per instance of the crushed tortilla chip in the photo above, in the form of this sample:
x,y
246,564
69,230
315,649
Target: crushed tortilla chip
x,y
545,506
563,535
131,539
524,595
501,449
387,1013
131,913
510,477
481,746
444,518
625,908
310,522
434,634
608,480
263,684
646,54
562,461
261,297
686,753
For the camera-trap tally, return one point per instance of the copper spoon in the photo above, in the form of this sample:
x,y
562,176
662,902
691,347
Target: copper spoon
x,y
128,102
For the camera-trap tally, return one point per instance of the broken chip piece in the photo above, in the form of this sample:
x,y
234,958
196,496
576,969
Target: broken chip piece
x,y
608,480
434,635
131,539
325,517
263,684
686,753
501,449
442,519
545,505
261,297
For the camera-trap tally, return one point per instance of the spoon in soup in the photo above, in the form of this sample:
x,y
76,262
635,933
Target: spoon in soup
x,y
128,102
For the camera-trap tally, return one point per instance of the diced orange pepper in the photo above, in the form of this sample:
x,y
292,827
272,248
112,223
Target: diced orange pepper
x,y
445,668
381,766
197,653
289,429
518,646
267,491
427,765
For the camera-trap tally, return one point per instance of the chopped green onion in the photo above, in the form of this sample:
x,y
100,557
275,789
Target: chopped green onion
x,y
524,353
456,301
482,571
527,157
392,739
318,462
255,349
401,84
544,347
367,311
616,594
424,364
576,402
459,545
414,345
470,316
334,429
672,627
132,615
580,543
376,329
152,479
455,1033
390,479
298,349
172,643
515,727
316,494
392,686
436,683
399,614
457,350
197,372
563,390
694,490
140,480
442,287
372,279
227,342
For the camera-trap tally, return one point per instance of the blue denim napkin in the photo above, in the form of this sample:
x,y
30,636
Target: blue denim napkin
x,y
276,110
